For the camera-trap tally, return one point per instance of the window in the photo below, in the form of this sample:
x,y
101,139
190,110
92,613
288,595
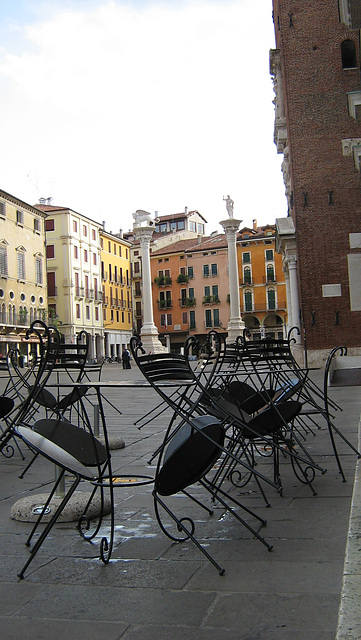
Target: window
x,y
246,257
269,254
75,226
3,209
94,258
85,230
207,292
190,292
215,291
201,228
85,255
87,312
37,225
94,234
173,226
38,270
216,317
50,251
348,54
21,264
51,283
206,271
97,314
248,300
19,217
184,317
192,226
50,224
181,224
120,252
75,252
214,269
208,318
3,260
115,249
77,310
136,267
271,298
190,272
192,319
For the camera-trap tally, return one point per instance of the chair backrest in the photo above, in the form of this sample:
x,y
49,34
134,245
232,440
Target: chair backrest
x,y
28,387
72,357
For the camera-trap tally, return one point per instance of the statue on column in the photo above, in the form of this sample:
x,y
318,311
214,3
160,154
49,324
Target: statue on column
x,y
143,216
229,206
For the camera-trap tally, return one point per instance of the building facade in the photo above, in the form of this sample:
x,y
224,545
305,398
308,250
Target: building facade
x,y
23,291
262,283
116,292
316,71
74,275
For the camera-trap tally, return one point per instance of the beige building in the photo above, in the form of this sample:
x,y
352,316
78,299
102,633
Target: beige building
x,y
74,274
23,294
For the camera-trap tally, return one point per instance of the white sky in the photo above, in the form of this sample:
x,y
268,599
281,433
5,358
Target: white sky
x,y
109,107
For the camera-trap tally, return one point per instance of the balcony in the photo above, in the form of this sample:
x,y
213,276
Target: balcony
x,y
98,296
269,279
105,299
246,282
187,302
79,292
163,281
104,275
165,304
182,279
211,300
263,306
89,294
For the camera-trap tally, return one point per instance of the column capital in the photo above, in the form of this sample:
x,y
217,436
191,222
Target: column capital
x,y
230,226
144,234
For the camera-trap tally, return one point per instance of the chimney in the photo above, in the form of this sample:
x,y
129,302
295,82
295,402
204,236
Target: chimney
x,y
254,225
120,233
186,210
103,223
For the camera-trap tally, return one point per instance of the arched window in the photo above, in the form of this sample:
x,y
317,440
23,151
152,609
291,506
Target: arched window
x,y
270,273
348,54
247,275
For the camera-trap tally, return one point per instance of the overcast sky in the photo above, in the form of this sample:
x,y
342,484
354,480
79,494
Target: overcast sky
x,y
109,107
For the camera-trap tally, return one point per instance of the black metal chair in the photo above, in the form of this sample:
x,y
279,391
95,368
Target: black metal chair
x,y
76,452
193,442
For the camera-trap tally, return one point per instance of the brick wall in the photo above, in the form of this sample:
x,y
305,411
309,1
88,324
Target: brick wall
x,y
326,185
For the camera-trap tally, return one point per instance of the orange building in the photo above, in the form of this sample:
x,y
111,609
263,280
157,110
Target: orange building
x,y
262,282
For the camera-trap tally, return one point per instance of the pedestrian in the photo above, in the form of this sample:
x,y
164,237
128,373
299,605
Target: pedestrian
x,y
126,358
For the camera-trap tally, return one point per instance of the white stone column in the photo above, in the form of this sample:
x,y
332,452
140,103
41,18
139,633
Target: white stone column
x,y
295,300
149,332
236,324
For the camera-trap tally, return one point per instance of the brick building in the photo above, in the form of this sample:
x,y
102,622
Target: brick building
x,y
316,70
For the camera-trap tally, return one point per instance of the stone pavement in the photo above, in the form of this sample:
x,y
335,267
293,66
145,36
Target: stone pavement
x,y
155,589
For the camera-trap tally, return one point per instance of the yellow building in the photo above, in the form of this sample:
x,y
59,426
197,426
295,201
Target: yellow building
x,y
117,293
23,294
262,282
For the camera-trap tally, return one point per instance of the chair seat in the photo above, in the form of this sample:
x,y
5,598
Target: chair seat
x,y
71,398
53,452
74,440
6,405
190,455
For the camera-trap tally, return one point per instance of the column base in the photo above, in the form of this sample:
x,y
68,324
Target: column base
x,y
150,340
234,329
